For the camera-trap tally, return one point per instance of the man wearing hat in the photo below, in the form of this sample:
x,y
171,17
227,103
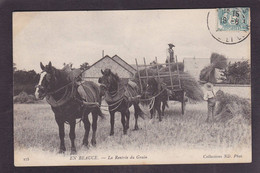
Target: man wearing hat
x,y
170,52
209,96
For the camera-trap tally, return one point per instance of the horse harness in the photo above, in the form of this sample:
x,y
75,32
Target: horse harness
x,y
70,95
123,93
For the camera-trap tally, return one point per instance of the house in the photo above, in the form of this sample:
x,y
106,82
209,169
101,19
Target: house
x,y
194,66
116,64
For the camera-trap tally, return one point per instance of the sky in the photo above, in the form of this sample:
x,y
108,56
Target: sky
x,y
80,36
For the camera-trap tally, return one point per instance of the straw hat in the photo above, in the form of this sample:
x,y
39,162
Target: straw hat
x,y
171,45
209,86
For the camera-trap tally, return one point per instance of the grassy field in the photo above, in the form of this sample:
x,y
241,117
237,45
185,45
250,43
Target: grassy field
x,y
35,128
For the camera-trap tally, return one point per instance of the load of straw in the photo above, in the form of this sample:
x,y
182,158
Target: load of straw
x,y
208,72
230,106
188,83
23,97
173,67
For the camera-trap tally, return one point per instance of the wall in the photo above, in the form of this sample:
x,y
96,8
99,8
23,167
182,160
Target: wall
x,y
240,90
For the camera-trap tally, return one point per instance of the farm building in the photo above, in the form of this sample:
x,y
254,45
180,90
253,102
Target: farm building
x,y
194,65
124,64
116,64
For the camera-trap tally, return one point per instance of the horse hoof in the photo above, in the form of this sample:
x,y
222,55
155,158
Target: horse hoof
x,y
136,128
85,144
61,151
93,143
125,132
111,133
160,120
73,152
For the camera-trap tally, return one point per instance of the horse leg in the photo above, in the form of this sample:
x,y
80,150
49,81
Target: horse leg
x,y
61,135
112,122
163,107
138,110
87,128
72,136
158,108
136,118
94,128
123,122
127,118
152,111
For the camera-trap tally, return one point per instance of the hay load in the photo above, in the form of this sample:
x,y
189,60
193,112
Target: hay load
x,y
208,73
188,83
173,67
231,106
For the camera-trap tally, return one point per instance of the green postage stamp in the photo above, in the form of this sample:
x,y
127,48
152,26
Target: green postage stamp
x,y
233,19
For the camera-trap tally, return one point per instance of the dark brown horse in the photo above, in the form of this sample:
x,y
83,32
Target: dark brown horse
x,y
119,96
157,94
69,102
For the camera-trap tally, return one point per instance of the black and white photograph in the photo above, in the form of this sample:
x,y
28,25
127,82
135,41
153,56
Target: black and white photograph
x,y
132,87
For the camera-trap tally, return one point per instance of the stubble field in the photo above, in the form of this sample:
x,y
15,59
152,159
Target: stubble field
x,y
35,128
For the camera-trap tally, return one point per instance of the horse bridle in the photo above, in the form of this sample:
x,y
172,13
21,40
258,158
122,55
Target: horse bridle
x,y
40,87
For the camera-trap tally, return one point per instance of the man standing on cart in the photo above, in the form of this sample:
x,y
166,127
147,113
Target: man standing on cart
x,y
170,54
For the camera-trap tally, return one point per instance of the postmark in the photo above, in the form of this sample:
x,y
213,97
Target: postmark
x,y
229,25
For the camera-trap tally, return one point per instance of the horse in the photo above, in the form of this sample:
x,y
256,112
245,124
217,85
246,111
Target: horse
x,y
158,94
120,96
69,101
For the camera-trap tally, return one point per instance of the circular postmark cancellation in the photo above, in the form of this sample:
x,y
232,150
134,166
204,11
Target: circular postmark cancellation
x,y
229,25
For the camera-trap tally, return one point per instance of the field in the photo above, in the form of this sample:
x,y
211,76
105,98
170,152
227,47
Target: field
x,y
35,129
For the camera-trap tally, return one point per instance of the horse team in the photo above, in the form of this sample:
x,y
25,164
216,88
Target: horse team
x,y
71,99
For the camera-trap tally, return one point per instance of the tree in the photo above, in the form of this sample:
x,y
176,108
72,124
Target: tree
x,y
25,81
84,66
237,73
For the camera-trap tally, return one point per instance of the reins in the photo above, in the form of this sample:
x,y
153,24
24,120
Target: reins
x,y
53,92
152,99
153,96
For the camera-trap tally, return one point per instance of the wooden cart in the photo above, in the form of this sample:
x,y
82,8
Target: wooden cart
x,y
178,94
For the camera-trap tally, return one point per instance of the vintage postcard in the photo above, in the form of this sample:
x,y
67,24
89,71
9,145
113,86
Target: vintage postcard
x,y
132,87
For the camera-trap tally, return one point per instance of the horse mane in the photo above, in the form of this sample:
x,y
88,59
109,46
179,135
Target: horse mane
x,y
115,76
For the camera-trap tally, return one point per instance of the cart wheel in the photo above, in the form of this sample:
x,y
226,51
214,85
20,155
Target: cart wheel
x,y
183,104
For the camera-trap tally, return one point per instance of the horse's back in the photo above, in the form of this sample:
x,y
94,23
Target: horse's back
x,y
132,89
89,91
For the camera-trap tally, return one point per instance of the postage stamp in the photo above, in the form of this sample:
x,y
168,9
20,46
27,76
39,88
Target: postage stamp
x,y
131,87
233,19
229,25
